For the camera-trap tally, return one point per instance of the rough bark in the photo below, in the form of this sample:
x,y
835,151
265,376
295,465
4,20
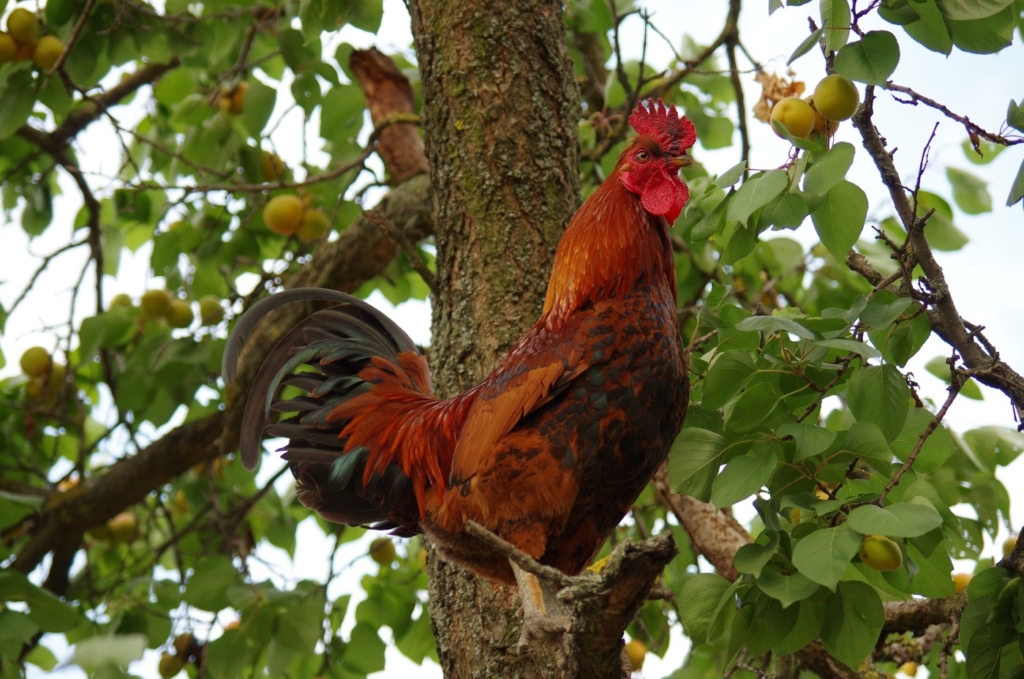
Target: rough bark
x,y
500,115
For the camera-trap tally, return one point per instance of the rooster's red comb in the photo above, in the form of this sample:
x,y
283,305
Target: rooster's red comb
x,y
673,133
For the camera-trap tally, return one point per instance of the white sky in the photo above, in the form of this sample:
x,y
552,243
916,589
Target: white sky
x,y
982,276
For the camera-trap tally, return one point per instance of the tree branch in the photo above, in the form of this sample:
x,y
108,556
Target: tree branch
x,y
985,365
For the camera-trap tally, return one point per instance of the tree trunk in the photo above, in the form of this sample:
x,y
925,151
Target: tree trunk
x,y
500,115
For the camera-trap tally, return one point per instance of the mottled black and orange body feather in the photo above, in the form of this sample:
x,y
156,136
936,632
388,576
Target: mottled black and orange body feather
x,y
554,446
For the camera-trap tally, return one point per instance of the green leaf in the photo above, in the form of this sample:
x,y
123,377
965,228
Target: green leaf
x,y
229,655
788,589
731,176
936,449
1015,115
972,9
940,231
809,621
699,600
788,211
770,324
175,86
866,441
840,218
989,151
728,375
879,394
938,367
742,477
98,652
207,588
901,520
1000,445
969,191
755,193
365,650
879,314
1017,190
365,15
754,556
418,641
806,46
930,30
753,406
824,555
829,169
810,439
257,107
16,103
835,19
984,654
853,622
693,461
984,36
870,60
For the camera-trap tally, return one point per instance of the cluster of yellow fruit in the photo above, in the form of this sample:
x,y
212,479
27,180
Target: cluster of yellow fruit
x,y
289,215
159,304
19,42
835,98
173,663
45,377
233,101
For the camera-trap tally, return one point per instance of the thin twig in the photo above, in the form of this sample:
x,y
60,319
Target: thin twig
x,y
973,130
403,242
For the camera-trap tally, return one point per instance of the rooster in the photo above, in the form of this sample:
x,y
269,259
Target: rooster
x,y
551,450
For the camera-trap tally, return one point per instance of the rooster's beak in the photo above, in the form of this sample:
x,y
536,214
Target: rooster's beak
x,y
681,161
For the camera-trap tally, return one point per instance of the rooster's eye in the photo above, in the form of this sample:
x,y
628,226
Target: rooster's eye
x,y
642,156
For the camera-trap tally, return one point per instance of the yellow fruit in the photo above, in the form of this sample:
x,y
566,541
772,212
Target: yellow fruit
x,y
314,225
909,669
155,303
1009,544
122,527
836,97
960,581
121,300
795,515
8,48
283,214
34,389
22,25
796,115
180,505
382,550
182,644
210,310
224,100
234,624
170,665
599,565
271,166
35,362
56,379
180,314
880,553
238,99
47,51
636,650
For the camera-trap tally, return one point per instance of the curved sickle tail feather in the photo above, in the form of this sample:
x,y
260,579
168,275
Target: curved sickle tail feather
x,y
334,355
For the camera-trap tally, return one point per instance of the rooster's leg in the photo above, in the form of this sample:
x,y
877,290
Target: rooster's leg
x,y
545,618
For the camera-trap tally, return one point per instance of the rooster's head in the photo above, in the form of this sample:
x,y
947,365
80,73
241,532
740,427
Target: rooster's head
x,y
650,165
